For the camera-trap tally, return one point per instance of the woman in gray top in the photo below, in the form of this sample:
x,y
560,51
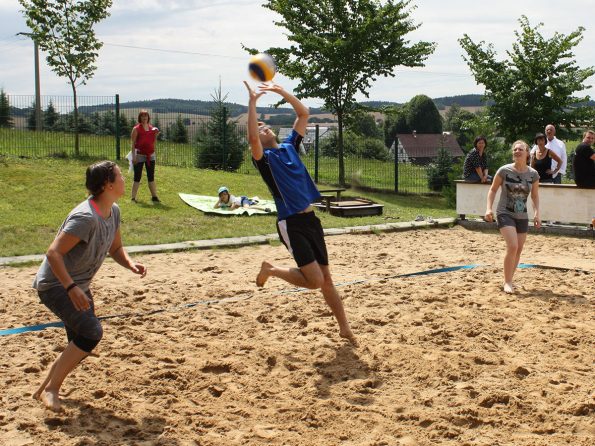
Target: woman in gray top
x,y
89,233
517,180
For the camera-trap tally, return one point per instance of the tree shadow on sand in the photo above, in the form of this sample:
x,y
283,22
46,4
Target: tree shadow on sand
x,y
346,366
104,426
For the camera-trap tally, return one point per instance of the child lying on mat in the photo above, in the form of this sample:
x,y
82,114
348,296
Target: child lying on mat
x,y
226,200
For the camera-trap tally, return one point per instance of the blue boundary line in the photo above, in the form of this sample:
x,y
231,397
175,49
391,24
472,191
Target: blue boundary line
x,y
418,273
40,327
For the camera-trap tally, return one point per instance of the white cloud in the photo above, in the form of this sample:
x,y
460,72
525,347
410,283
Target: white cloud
x,y
216,29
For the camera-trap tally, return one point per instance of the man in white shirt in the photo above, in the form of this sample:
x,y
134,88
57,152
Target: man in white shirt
x,y
559,149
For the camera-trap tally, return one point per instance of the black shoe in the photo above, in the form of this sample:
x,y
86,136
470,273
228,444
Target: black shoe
x,y
155,199
133,200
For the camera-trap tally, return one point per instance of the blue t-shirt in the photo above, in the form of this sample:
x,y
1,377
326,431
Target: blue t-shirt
x,y
287,178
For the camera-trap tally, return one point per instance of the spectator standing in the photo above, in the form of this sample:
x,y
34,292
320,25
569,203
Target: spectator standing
x,y
544,159
584,162
142,140
559,148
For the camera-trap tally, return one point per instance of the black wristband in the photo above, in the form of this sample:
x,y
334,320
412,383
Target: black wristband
x,y
71,286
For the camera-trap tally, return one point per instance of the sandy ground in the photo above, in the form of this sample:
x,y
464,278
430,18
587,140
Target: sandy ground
x,y
443,359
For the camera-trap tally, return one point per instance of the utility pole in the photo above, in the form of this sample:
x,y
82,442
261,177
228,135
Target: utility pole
x,y
38,119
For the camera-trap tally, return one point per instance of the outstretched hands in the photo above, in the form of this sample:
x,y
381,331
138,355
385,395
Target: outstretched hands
x,y
263,88
254,95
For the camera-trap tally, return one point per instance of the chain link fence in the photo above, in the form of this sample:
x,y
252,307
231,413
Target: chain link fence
x,y
212,138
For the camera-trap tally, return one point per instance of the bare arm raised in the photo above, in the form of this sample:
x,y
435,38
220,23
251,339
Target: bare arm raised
x,y
300,109
253,138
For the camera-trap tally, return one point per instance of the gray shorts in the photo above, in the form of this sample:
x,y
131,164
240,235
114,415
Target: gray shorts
x,y
521,224
83,323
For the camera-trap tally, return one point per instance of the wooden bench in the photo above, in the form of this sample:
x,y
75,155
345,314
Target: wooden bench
x,y
557,202
352,206
337,192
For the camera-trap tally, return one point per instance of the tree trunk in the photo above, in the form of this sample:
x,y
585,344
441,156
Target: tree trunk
x,y
340,150
76,122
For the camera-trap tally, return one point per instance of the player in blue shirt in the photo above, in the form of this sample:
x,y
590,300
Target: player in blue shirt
x,y
293,191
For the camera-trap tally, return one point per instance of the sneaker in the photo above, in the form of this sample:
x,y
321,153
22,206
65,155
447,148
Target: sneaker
x,y
419,218
155,199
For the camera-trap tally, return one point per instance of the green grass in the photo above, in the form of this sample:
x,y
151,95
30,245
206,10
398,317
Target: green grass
x,y
369,173
37,194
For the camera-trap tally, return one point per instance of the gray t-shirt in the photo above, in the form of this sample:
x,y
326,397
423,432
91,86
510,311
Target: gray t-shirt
x,y
85,259
516,188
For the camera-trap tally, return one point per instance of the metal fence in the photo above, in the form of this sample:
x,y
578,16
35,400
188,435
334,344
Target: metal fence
x,y
210,138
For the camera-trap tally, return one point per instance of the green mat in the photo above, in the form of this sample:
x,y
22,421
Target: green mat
x,y
206,204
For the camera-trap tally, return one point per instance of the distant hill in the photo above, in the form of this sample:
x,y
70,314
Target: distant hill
x,y
189,106
379,104
465,100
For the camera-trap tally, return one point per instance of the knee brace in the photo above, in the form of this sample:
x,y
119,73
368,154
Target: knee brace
x,y
85,344
88,335
70,334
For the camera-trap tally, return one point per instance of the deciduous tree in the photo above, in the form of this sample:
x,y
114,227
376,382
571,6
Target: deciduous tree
x,y
64,30
337,49
423,116
535,84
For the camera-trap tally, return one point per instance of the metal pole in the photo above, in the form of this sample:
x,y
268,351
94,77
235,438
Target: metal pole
x,y
316,135
38,120
396,165
117,127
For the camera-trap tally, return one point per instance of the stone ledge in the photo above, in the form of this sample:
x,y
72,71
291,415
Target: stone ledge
x,y
568,230
249,240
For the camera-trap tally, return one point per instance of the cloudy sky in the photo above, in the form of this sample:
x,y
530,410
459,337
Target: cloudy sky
x,y
191,44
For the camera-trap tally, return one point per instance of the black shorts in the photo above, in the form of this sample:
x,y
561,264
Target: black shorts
x,y
303,236
521,224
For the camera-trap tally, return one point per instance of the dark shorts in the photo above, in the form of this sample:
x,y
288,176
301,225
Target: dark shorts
x,y
521,224
303,236
83,323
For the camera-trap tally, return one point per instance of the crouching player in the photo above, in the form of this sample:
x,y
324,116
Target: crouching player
x,y
91,230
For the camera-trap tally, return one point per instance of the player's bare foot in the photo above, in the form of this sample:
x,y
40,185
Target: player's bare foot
x,y
347,334
264,274
508,288
51,400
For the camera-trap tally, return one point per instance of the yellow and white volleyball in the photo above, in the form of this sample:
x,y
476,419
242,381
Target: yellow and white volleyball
x,y
262,67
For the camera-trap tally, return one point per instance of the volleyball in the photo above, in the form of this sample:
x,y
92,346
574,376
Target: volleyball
x,y
262,67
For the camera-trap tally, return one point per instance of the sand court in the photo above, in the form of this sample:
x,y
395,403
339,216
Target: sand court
x,y
443,359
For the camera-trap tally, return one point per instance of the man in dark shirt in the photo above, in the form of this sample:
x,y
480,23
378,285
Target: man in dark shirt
x,y
584,162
